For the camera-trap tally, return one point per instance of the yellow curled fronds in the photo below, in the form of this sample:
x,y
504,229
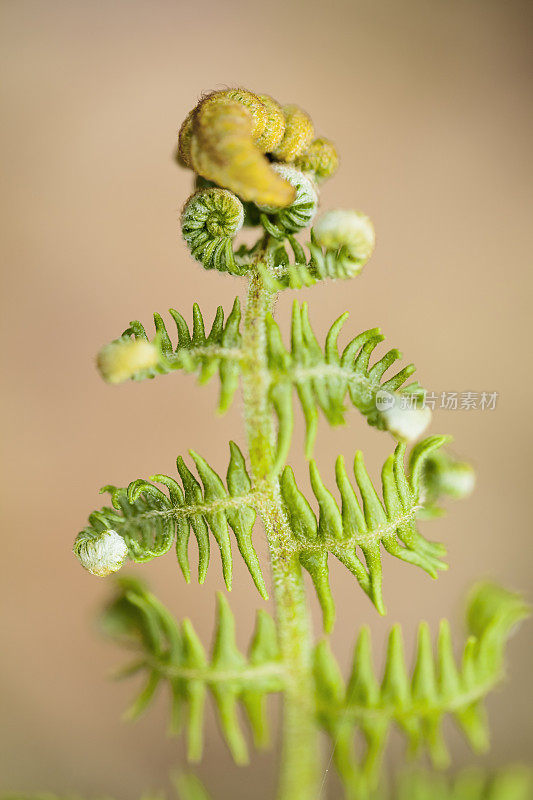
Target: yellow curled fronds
x,y
223,139
320,158
183,154
248,100
298,134
275,125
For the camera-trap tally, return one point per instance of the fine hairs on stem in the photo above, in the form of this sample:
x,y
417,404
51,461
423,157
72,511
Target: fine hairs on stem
x,y
258,164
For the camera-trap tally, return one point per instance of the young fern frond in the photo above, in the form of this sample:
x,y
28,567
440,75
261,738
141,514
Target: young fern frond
x,y
390,522
324,376
337,257
210,220
416,704
170,653
299,214
257,164
195,350
150,520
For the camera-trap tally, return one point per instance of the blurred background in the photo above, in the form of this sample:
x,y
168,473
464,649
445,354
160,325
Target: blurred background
x,y
429,103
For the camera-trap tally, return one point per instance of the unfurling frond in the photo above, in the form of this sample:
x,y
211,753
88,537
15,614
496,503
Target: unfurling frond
x,y
299,214
149,520
342,242
366,525
417,704
101,554
216,351
224,139
210,220
320,159
323,376
297,136
170,653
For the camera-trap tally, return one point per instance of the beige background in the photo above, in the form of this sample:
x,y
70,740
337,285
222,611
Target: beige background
x,y
430,105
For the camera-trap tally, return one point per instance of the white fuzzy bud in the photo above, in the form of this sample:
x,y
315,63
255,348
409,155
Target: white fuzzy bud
x,y
101,554
406,423
458,481
124,358
346,228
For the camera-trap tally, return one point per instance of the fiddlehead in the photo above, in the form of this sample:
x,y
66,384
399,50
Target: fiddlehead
x,y
221,140
125,359
144,521
102,553
210,220
299,214
171,654
274,128
224,139
297,136
320,159
417,704
347,229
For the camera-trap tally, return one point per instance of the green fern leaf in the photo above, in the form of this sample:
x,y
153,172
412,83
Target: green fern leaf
x,y
297,270
323,376
208,353
390,522
172,654
417,704
149,520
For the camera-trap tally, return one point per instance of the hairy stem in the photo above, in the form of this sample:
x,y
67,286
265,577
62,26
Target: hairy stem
x,y
299,776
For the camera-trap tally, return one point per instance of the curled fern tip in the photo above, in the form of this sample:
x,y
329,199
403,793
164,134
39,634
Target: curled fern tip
x,y
349,229
125,358
102,553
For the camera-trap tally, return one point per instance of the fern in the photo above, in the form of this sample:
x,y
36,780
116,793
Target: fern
x,y
323,377
217,351
150,520
257,164
417,705
173,655
390,522
294,269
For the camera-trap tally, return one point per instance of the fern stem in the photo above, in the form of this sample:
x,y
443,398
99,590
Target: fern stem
x,y
299,774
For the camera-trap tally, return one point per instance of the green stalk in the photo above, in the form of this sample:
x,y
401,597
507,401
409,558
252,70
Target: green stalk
x,y
300,772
